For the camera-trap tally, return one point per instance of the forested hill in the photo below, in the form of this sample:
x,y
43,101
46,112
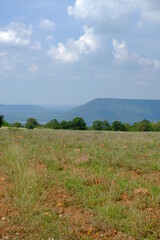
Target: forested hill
x,y
124,110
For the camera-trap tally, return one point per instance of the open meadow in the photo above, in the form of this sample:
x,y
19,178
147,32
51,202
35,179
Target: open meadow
x,y
68,185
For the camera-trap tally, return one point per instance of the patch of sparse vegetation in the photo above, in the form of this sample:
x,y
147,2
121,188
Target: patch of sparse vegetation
x,y
79,185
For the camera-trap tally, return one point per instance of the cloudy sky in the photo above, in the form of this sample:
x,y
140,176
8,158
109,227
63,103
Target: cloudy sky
x,y
71,51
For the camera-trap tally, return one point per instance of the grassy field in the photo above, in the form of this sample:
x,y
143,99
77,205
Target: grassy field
x,y
79,185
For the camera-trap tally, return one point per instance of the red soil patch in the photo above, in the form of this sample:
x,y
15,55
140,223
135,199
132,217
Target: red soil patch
x,y
82,223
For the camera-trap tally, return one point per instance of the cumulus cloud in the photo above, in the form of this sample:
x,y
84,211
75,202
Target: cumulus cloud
x,y
92,9
33,69
120,50
46,24
104,15
73,49
115,15
121,54
16,35
147,62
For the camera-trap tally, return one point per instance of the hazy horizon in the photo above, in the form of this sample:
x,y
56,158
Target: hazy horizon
x,y
69,52
76,105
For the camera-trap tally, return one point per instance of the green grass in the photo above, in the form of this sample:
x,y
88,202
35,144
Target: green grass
x,y
80,185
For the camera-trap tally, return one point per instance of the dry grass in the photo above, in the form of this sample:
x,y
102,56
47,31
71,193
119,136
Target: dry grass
x,y
79,185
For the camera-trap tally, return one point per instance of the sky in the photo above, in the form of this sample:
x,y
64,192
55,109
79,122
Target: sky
x,y
69,52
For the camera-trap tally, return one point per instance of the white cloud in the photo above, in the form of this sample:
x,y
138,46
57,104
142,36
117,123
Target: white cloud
x,y
121,55
33,69
46,23
73,49
91,9
120,50
62,54
147,62
105,15
114,15
16,35
87,43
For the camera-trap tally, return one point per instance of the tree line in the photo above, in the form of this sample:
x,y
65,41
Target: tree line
x,y
78,123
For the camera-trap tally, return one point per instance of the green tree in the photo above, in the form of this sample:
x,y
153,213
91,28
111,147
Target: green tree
x,y
70,125
156,127
6,124
53,124
143,126
118,126
79,124
1,120
128,127
106,125
97,125
63,125
31,123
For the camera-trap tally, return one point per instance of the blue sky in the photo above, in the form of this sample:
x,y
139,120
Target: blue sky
x,y
71,51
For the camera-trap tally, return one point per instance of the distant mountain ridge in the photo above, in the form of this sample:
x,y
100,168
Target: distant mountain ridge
x,y
124,110
111,109
20,113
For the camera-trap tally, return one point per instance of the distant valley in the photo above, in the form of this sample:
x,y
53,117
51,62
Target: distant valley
x,y
43,114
